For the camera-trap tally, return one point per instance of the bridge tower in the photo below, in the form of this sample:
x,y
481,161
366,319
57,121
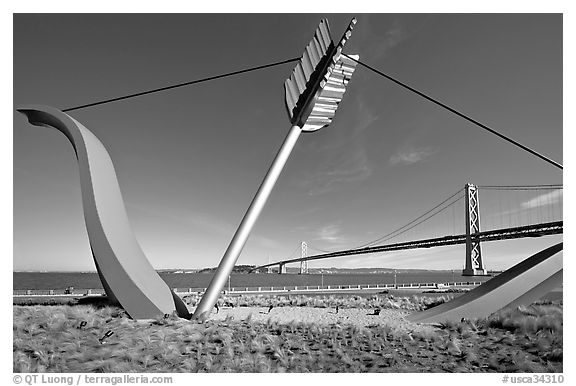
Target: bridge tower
x,y
304,263
474,263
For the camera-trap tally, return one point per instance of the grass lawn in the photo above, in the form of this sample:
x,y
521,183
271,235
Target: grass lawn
x,y
73,338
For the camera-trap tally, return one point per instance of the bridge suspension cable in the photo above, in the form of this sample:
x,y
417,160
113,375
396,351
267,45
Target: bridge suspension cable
x,y
450,203
520,205
462,115
293,252
401,231
521,187
541,222
410,225
318,249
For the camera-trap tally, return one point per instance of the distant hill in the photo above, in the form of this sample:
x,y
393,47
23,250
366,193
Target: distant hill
x,y
334,270
237,269
327,271
186,270
247,268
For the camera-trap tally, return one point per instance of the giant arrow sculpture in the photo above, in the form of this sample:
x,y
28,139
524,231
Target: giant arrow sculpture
x,y
312,95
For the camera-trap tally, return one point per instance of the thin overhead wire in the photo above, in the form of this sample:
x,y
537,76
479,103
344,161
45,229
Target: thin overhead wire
x,y
533,152
504,137
181,84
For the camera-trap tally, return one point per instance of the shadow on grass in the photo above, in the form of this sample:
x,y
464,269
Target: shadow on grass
x,y
97,301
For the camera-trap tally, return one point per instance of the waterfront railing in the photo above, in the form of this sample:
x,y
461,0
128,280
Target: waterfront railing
x,y
72,292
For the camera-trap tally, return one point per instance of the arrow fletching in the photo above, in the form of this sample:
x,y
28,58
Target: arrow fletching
x,y
318,82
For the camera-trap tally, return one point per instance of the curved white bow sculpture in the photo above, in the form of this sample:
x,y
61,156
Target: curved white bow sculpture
x,y
126,274
522,284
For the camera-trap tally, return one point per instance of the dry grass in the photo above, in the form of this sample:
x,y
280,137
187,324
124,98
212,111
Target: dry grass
x,y
412,303
381,301
55,339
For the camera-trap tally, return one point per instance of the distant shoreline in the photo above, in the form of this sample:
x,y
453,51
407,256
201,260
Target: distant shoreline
x,y
63,280
312,271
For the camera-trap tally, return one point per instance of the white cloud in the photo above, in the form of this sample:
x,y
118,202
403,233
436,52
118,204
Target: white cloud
x,y
329,233
410,155
392,37
343,158
538,209
203,222
352,134
330,237
365,116
187,218
266,242
550,198
306,212
345,168
395,34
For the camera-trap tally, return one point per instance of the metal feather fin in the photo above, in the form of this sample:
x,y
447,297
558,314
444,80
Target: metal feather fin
x,y
316,51
331,93
318,82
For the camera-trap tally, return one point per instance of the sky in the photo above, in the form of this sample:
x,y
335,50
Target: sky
x,y
189,160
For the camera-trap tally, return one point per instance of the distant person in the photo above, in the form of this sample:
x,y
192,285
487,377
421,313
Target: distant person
x,y
337,308
217,308
270,308
108,334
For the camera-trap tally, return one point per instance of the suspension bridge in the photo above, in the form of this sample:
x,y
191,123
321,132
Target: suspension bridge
x,y
512,212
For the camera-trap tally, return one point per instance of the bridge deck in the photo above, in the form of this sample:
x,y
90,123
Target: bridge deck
x,y
536,230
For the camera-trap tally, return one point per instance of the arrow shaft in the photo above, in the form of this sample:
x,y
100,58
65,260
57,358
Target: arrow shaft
x,y
241,236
